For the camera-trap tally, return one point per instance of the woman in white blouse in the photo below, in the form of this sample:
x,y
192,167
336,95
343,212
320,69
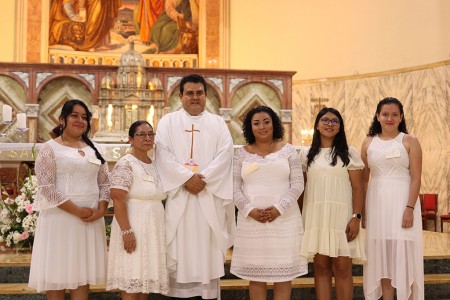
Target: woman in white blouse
x,y
267,182
73,192
137,250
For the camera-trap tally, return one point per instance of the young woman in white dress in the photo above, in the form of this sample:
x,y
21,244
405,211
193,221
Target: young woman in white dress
x,y
332,205
69,249
137,249
393,219
267,183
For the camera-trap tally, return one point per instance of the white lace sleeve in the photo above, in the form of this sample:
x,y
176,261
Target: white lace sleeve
x,y
122,175
241,202
103,182
45,168
296,184
303,159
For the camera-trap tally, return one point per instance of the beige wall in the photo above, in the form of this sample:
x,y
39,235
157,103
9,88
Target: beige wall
x,y
320,38
325,38
7,12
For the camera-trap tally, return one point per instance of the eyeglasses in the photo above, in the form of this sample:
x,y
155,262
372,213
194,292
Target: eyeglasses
x,y
142,135
333,122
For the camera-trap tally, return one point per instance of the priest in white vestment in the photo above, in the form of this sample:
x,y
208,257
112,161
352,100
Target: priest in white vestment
x,y
194,153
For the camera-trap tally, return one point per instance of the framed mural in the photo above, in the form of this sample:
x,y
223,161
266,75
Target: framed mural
x,y
155,26
98,31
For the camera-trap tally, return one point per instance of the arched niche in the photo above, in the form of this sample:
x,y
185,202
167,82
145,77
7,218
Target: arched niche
x,y
13,94
244,99
212,100
51,99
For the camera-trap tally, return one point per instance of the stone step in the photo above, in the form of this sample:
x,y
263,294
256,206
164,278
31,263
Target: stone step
x,y
14,268
437,286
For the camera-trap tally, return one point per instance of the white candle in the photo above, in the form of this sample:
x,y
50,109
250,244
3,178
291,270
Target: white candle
x,y
21,120
7,113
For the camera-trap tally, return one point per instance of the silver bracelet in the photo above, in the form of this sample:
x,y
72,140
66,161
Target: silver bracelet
x,y
127,231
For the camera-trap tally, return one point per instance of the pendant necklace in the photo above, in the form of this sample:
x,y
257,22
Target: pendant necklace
x,y
80,150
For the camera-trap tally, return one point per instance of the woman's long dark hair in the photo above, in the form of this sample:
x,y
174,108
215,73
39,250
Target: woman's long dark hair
x,y
66,110
339,147
278,130
375,127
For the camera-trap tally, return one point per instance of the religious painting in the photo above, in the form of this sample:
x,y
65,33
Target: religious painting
x,y
155,26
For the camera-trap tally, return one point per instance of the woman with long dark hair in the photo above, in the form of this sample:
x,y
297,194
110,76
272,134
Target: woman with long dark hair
x,y
332,205
393,161
69,249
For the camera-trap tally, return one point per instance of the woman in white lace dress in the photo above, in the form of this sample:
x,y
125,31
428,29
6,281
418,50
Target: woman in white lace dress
x,y
69,249
137,249
332,205
267,183
393,219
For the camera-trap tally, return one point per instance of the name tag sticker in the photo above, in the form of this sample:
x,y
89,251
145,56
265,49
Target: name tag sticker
x,y
252,168
393,154
148,178
95,161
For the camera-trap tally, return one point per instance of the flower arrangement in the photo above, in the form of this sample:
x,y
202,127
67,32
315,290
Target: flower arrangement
x,y
17,218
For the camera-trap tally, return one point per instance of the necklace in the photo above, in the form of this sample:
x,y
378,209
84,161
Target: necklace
x,y
264,153
141,162
79,149
146,177
143,166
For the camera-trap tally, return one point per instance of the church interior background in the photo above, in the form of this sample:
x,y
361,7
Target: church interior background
x,y
303,72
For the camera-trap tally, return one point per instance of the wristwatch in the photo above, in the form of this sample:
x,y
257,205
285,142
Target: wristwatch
x,y
357,216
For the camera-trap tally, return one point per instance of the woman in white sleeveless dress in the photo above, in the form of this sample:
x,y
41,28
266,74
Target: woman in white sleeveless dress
x,y
393,220
73,192
267,183
137,249
332,206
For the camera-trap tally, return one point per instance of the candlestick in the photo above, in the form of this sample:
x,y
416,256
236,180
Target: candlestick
x,y
21,120
7,113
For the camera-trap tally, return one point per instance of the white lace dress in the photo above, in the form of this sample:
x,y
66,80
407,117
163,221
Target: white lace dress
x,y
392,251
144,270
328,206
268,252
68,252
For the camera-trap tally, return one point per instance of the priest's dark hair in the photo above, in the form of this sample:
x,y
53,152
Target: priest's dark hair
x,y
135,125
278,130
375,127
66,110
194,78
339,147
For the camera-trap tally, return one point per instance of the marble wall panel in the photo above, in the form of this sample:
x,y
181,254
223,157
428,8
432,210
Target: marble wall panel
x,y
425,95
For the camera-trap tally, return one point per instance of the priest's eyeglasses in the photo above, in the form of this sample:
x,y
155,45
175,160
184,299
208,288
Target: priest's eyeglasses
x,y
142,135
333,122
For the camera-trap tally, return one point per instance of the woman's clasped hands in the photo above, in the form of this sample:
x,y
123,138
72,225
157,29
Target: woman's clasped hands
x,y
90,214
265,215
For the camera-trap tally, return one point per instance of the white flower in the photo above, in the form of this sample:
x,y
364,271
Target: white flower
x,y
4,213
4,228
19,199
29,223
17,237
9,239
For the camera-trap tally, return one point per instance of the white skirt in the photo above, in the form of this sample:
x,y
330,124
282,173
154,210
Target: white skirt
x,y
144,270
67,252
